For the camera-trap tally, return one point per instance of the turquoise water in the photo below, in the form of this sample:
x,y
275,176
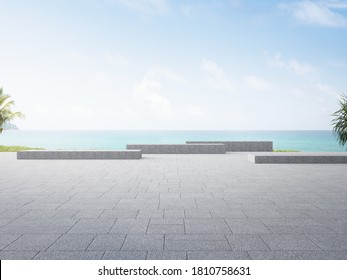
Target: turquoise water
x,y
307,141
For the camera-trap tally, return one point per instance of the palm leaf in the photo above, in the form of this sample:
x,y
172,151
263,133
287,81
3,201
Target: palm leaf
x,y
340,121
6,114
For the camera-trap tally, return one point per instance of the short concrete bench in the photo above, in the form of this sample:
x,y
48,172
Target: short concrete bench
x,y
179,148
46,154
298,158
241,146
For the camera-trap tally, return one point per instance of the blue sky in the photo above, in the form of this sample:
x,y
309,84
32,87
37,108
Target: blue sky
x,y
165,64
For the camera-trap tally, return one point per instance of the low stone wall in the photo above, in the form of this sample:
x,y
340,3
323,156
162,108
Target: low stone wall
x,y
298,158
46,154
179,148
241,146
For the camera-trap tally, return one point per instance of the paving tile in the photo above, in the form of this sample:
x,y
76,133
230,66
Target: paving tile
x,y
196,214
293,213
339,230
322,255
227,213
13,213
196,195
237,204
289,242
122,214
110,242
40,214
326,213
291,222
165,229
340,222
177,203
206,226
148,194
167,221
42,206
144,242
70,255
5,222
295,205
92,226
262,213
196,242
51,229
127,226
218,255
88,214
150,213
65,214
134,206
125,255
44,222
6,240
167,255
88,205
33,242
72,242
329,242
17,255
245,242
301,229
272,255
167,195
174,214
211,203
247,226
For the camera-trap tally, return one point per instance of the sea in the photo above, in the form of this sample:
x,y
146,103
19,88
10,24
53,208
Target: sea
x,y
301,140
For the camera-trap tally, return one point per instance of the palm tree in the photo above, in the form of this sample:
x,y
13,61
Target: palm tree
x,y
340,121
6,114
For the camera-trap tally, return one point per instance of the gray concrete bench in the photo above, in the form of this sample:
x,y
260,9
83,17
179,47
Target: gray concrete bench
x,y
46,154
179,148
241,146
298,158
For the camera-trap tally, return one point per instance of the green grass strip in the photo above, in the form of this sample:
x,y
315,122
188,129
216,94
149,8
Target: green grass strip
x,y
16,148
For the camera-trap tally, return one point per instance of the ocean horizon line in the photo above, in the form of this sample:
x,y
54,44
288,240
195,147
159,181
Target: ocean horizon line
x,y
234,130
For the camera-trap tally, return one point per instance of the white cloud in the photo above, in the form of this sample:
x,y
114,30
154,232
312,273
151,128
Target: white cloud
x,y
195,111
327,90
256,83
76,56
112,59
101,77
216,77
336,4
149,89
147,6
317,12
299,68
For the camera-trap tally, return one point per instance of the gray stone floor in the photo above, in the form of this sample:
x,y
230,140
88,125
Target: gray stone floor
x,y
171,207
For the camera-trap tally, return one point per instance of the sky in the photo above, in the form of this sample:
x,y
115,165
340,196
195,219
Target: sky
x,y
173,64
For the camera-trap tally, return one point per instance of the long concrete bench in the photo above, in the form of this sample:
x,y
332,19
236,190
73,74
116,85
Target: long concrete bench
x,y
241,146
179,148
46,154
298,158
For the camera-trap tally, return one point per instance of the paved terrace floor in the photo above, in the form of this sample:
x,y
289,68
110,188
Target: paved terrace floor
x,y
171,207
